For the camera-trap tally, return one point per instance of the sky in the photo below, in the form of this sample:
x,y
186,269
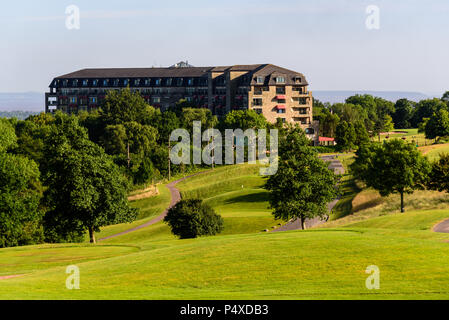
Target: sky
x,y
326,40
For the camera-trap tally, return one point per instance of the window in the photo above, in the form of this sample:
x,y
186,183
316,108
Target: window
x,y
64,83
74,83
137,82
72,99
297,79
280,90
280,80
156,100
84,83
116,82
190,82
147,82
105,82
281,110
257,101
180,80
169,81
257,91
125,82
157,82
95,82
258,110
93,100
259,80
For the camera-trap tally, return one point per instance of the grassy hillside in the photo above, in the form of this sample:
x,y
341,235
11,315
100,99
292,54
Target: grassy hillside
x,y
244,263
321,264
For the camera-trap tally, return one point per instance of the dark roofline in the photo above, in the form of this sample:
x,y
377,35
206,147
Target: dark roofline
x,y
266,70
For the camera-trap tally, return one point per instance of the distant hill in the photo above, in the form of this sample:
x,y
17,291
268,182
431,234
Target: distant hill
x,y
23,101
340,96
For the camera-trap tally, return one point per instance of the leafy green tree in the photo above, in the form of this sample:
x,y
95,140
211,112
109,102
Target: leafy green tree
x,y
422,125
392,167
445,97
244,119
403,113
189,115
437,125
345,136
192,218
439,175
387,124
20,194
125,106
303,185
425,109
8,138
166,123
361,135
328,123
85,189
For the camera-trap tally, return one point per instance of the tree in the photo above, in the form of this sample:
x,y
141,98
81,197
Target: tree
x,y
303,185
437,125
393,167
345,136
425,109
125,106
328,123
8,137
198,114
361,135
20,194
439,175
85,189
244,119
192,218
445,97
403,113
387,123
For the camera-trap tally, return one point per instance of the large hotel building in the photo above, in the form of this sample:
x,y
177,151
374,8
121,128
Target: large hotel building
x,y
275,92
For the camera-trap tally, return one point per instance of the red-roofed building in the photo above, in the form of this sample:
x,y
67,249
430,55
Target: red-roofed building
x,y
326,141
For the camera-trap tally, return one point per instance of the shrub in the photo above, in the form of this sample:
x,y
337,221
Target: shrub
x,y
192,218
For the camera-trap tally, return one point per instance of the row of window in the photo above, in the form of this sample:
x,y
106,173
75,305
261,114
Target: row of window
x,y
123,82
278,79
279,90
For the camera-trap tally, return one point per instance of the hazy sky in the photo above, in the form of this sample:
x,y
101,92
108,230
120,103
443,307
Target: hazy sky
x,y
327,40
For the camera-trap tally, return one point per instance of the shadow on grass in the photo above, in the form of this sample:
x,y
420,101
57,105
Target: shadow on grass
x,y
249,198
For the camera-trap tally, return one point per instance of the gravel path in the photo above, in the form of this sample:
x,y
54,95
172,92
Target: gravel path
x,y
338,168
175,198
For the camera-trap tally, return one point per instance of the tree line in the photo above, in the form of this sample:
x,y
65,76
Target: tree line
x,y
361,117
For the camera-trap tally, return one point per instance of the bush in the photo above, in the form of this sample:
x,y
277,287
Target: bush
x,y
192,218
325,149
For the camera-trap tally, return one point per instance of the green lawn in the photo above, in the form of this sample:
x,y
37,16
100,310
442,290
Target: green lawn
x,y
434,154
243,262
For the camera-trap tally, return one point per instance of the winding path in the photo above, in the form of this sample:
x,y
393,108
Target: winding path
x,y
442,227
175,198
338,168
